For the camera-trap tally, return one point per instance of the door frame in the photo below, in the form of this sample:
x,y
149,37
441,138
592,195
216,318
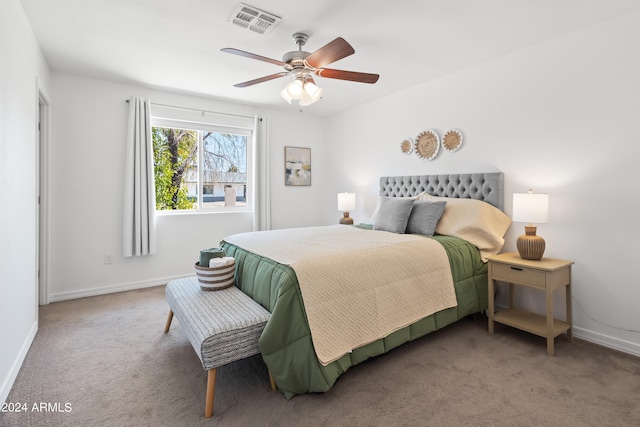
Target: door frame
x,y
43,187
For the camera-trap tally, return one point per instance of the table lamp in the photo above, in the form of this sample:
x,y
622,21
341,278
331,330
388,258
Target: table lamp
x,y
530,208
346,203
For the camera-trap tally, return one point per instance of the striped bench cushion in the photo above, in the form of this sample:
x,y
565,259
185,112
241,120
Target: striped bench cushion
x,y
223,326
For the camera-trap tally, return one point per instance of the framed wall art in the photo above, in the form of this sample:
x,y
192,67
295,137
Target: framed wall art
x,y
297,166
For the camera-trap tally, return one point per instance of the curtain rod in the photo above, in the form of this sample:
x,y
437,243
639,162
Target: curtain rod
x,y
200,109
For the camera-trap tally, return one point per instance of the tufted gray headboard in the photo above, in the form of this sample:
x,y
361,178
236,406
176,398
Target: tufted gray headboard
x,y
487,186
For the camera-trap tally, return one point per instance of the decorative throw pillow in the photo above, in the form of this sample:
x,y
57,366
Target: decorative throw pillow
x,y
377,209
393,214
424,217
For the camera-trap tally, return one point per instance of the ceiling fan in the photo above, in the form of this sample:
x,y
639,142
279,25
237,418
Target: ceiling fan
x,y
303,65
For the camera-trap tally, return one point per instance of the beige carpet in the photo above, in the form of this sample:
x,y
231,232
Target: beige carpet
x,y
104,361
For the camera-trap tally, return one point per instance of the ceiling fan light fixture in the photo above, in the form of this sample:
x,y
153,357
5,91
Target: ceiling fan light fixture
x,y
285,95
313,91
305,100
303,90
300,65
295,89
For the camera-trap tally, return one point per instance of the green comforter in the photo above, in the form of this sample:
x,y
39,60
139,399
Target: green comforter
x,y
286,343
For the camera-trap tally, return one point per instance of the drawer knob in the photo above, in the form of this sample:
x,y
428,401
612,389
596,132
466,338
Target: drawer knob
x,y
516,268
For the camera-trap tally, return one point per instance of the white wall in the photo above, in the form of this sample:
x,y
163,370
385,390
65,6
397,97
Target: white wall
x,y
89,129
561,118
23,70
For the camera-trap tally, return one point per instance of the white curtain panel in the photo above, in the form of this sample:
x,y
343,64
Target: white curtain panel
x,y
139,228
261,176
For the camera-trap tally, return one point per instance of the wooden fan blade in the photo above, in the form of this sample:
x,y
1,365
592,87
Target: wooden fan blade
x,y
348,75
261,79
331,52
252,56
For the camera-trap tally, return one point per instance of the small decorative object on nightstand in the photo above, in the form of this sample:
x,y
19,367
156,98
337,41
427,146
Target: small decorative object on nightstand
x,y
529,207
346,203
547,274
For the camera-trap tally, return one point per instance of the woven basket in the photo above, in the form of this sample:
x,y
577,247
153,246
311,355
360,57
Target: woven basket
x,y
215,279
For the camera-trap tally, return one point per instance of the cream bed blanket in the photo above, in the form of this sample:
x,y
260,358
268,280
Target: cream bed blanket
x,y
358,285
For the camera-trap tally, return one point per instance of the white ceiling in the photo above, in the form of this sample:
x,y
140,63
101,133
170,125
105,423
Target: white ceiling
x,y
175,44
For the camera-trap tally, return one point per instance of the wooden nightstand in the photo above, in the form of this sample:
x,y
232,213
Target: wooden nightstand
x,y
547,274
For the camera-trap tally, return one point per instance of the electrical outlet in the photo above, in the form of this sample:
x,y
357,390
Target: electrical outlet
x,y
108,258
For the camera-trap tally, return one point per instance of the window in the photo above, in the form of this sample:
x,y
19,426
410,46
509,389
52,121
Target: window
x,y
201,167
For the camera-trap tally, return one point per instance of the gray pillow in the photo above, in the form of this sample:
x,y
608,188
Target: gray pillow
x,y
393,214
424,217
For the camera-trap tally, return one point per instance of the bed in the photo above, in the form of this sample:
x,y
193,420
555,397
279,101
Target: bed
x,y
298,361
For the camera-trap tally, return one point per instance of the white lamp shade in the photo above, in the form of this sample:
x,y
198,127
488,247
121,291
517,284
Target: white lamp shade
x,y
305,100
294,89
286,96
313,91
530,208
346,202
310,94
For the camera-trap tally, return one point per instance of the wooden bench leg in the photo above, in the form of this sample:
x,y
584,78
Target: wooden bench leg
x,y
274,386
211,389
169,319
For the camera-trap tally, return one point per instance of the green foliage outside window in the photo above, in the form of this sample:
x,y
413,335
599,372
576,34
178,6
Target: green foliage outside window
x,y
174,156
179,183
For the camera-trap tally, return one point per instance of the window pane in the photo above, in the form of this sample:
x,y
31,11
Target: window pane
x,y
224,169
175,156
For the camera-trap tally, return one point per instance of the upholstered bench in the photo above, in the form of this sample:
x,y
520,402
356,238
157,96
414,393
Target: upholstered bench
x,y
223,326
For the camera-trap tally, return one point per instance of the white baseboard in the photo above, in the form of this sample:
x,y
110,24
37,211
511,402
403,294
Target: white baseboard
x,y
62,296
607,341
7,384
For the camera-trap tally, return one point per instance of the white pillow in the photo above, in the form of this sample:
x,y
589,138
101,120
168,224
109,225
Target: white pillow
x,y
475,221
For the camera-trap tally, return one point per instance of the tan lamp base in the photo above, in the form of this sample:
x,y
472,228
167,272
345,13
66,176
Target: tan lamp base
x,y
346,219
530,246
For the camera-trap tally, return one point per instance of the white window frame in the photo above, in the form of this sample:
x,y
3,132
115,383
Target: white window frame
x,y
249,132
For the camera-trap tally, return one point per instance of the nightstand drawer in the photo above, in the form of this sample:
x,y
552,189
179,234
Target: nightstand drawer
x,y
517,274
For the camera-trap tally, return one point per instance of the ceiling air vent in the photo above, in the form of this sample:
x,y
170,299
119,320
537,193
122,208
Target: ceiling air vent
x,y
254,19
